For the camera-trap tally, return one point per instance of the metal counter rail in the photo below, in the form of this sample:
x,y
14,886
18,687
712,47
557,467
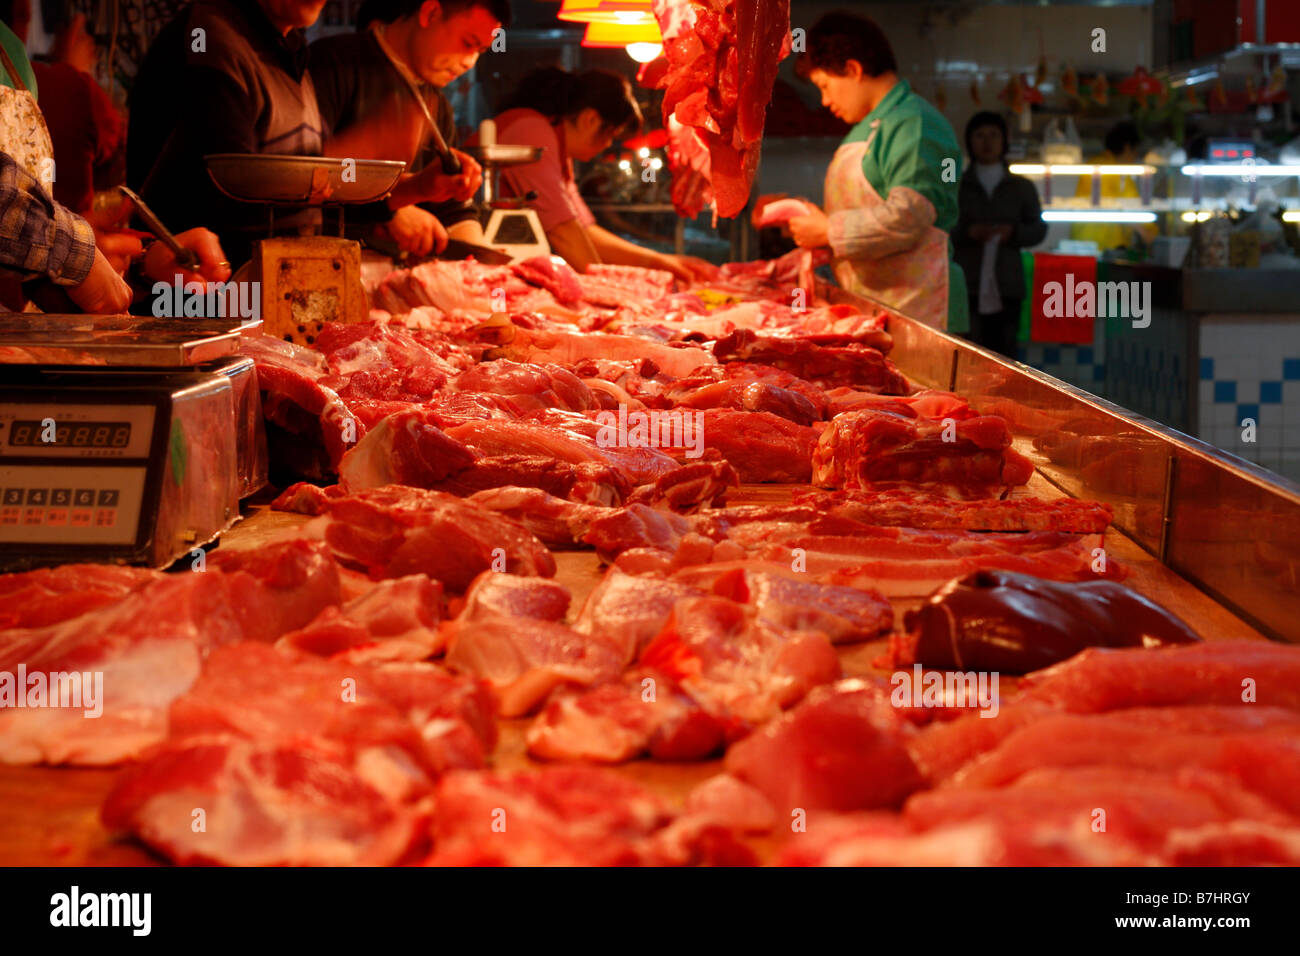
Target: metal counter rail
x,y
1224,524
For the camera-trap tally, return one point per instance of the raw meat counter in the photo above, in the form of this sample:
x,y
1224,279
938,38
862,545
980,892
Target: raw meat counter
x,y
710,778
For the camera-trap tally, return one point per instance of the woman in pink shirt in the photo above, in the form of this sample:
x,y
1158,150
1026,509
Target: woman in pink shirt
x,y
577,116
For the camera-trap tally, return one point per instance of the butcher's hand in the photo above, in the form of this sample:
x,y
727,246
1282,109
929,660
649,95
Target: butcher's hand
x,y
763,201
690,268
811,231
433,185
103,290
119,244
417,231
160,262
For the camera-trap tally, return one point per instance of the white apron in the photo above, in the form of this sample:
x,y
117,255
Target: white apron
x,y
914,282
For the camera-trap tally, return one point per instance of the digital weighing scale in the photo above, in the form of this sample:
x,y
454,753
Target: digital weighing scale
x,y
122,440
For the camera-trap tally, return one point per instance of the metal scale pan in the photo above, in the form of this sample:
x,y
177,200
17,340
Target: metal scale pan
x,y
114,341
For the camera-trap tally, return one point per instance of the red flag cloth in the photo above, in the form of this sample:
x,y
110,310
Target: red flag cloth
x,y
1064,301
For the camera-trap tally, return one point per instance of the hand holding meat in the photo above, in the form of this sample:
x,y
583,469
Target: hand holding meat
x,y
103,290
811,231
760,204
160,262
690,268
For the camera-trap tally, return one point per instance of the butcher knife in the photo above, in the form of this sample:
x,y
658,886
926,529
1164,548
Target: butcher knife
x,y
450,161
456,249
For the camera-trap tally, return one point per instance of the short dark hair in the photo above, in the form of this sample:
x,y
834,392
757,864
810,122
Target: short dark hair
x,y
839,37
987,118
386,11
558,94
1124,133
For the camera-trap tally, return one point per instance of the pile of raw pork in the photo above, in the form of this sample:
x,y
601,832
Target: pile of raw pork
x,y
338,697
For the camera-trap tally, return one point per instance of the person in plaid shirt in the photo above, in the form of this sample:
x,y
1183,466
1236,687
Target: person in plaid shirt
x,y
41,239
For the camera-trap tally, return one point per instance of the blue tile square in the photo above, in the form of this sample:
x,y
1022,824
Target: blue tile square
x,y
1225,391
1270,392
1247,411
1085,355
1052,356
1291,369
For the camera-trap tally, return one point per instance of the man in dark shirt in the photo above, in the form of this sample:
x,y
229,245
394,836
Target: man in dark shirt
x,y
226,76
360,74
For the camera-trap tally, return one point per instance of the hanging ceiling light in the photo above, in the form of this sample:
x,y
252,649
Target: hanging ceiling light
x,y
621,34
644,52
626,12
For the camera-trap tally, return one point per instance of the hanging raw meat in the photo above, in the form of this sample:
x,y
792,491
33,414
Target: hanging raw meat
x,y
708,46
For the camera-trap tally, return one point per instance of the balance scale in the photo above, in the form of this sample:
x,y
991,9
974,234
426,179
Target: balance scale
x,y
122,440
306,281
512,226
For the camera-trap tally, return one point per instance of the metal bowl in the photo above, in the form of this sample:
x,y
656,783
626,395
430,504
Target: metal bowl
x,y
505,154
269,178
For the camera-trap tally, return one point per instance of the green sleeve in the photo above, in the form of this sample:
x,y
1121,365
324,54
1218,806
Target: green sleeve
x,y
913,157
18,53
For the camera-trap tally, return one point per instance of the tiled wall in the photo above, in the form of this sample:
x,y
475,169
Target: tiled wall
x,y
1250,368
1147,369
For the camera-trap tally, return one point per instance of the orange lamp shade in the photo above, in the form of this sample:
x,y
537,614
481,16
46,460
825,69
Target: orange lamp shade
x,y
625,12
621,34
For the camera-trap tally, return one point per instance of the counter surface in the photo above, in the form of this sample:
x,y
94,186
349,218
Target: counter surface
x,y
50,816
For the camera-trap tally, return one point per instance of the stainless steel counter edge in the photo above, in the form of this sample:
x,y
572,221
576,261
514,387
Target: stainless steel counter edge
x,y
1222,523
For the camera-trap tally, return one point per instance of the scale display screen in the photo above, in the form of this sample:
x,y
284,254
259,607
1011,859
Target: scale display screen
x,y
34,434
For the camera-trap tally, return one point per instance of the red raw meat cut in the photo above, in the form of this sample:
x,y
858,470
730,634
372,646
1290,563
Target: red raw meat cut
x,y
759,445
407,448
569,348
636,526
739,667
558,523
551,273
47,596
588,483
295,398
493,593
927,403
305,498
641,712
524,659
859,449
297,579
781,211
1015,623
842,614
721,64
880,839
271,803
576,816
725,798
920,509
702,484
827,366
300,761
394,531
527,386
943,555
843,748
575,442
1141,807
147,659
1261,753
396,620
616,285
632,608
1214,672
750,388
943,747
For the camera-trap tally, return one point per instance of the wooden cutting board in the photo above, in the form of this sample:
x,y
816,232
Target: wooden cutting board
x,y
50,816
